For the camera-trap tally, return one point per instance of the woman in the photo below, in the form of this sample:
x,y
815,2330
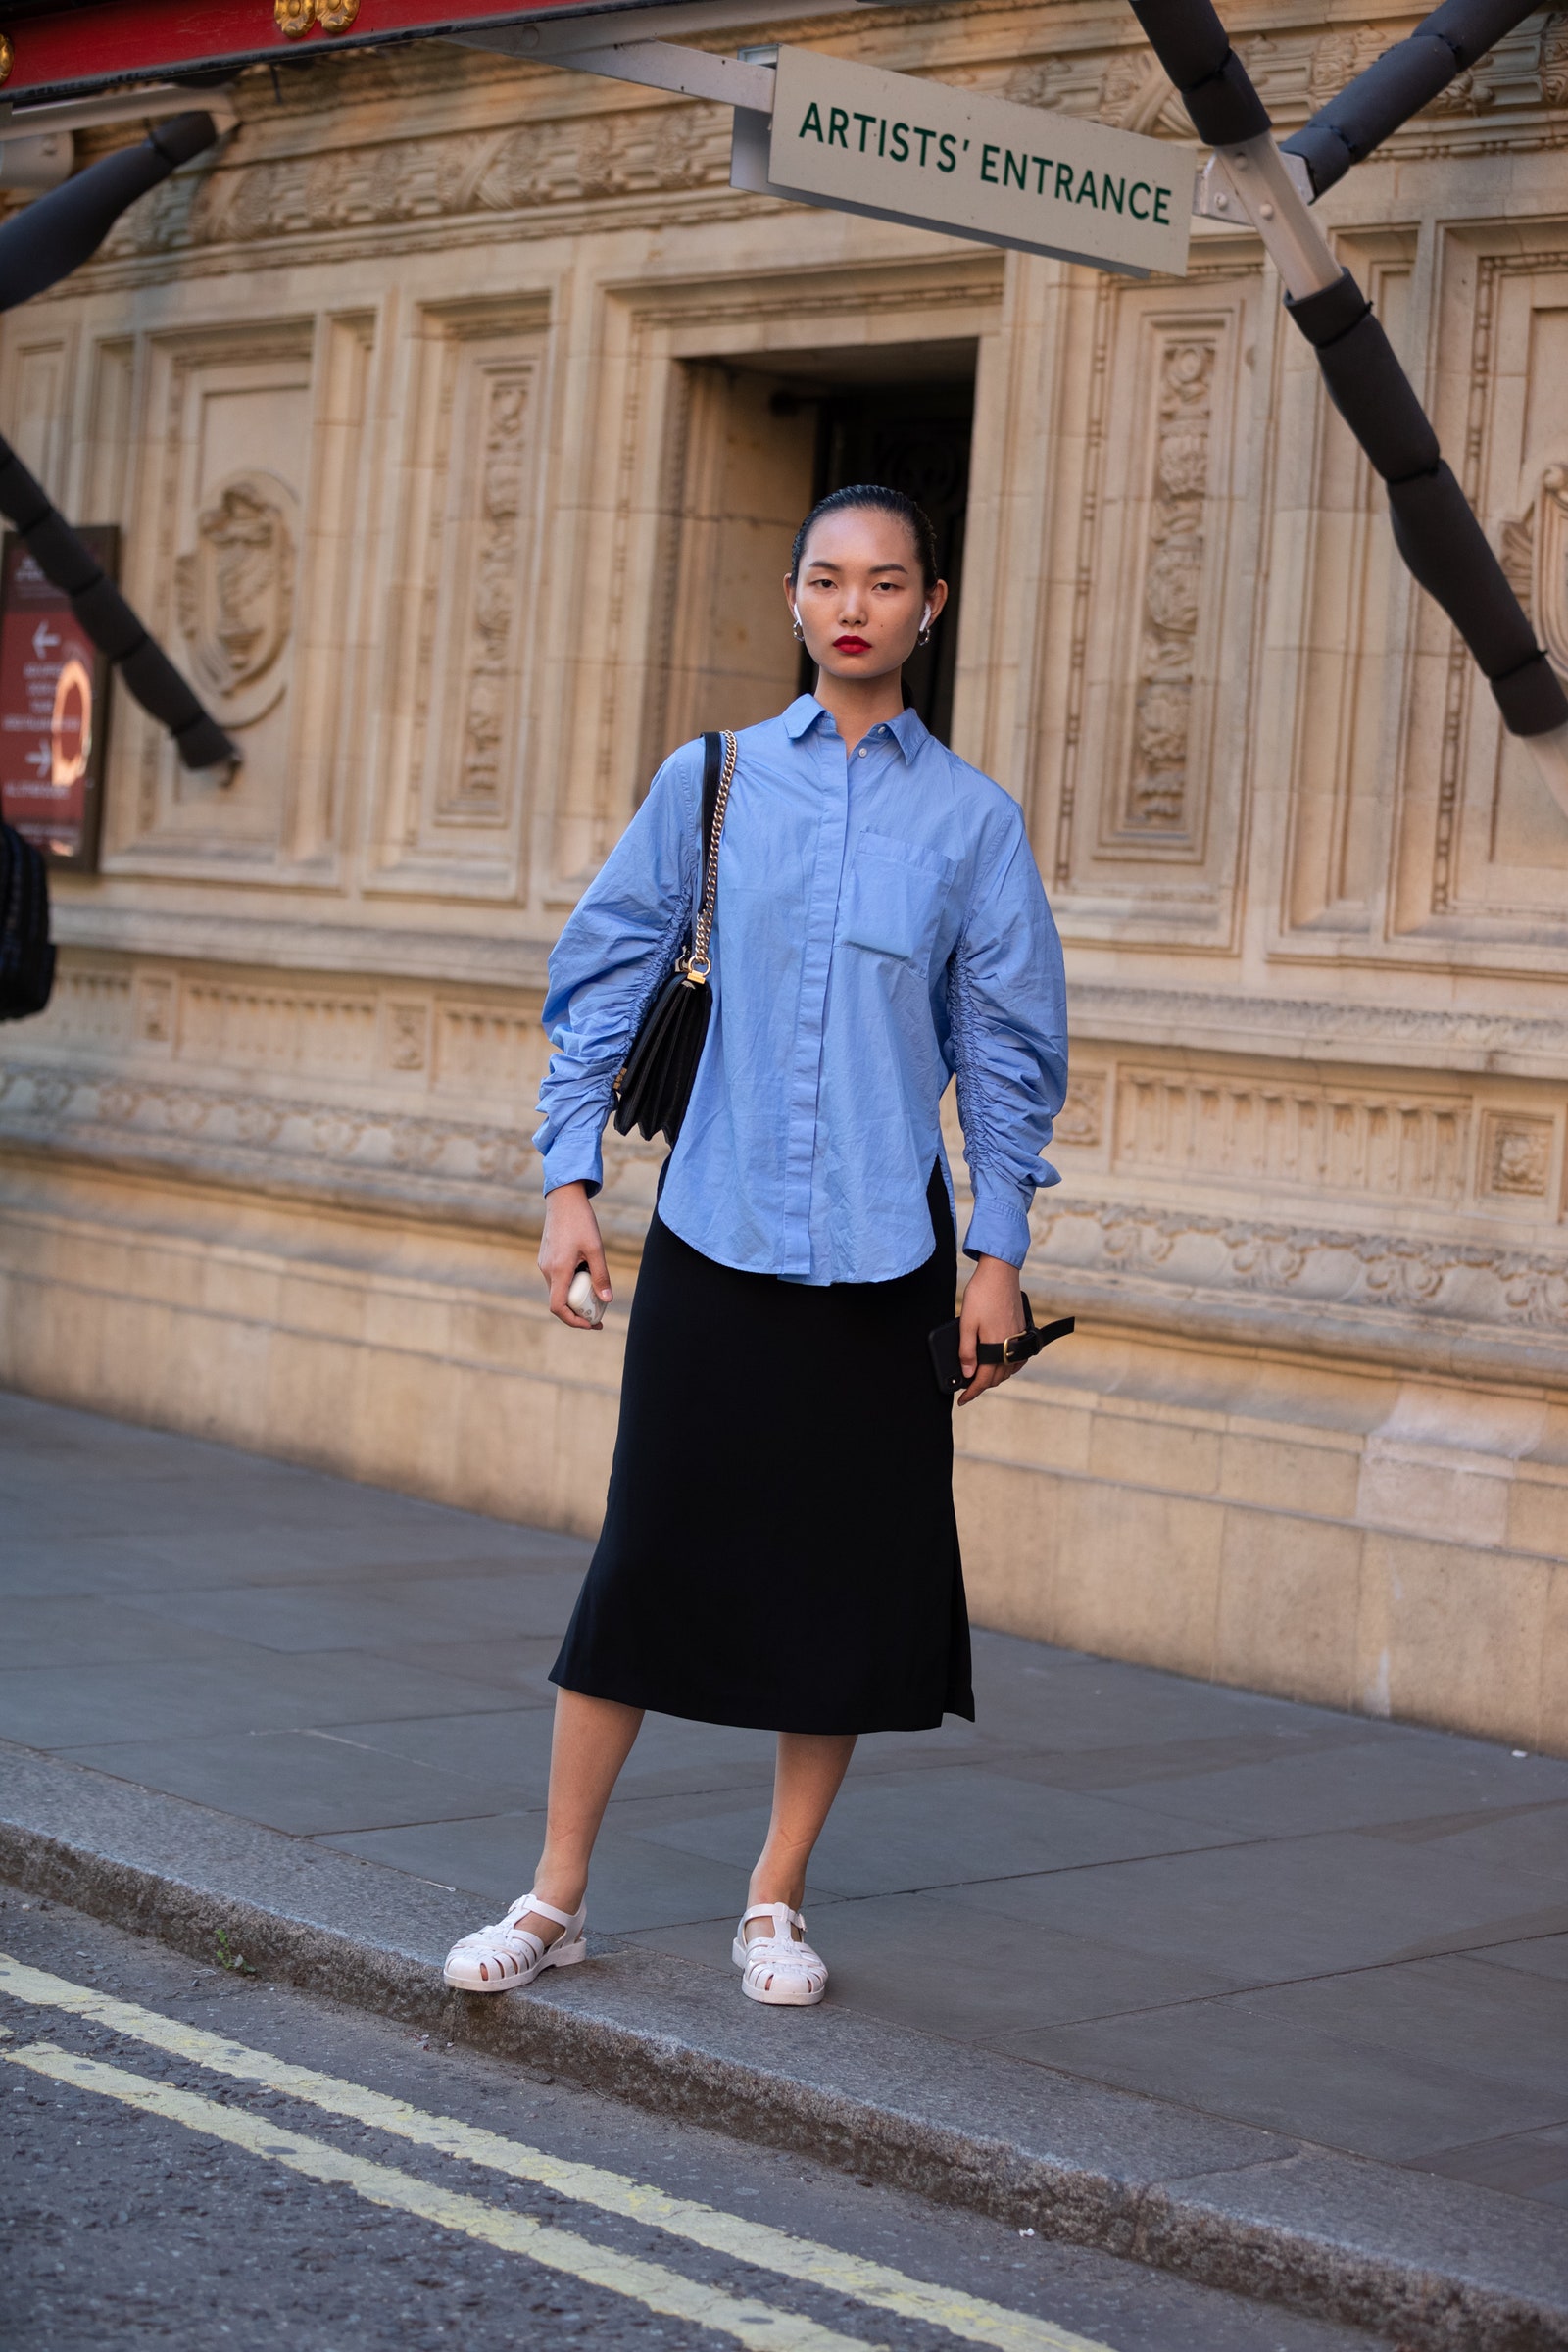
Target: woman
x,y
779,1548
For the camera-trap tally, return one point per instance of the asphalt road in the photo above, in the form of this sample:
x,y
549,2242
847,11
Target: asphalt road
x,y
171,2177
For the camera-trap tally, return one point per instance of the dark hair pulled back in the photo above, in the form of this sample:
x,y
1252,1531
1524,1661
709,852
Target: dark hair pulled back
x,y
883,500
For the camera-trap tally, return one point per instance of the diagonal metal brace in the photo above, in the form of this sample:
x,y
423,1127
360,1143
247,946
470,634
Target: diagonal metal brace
x,y
1397,84
69,564
38,248
1434,526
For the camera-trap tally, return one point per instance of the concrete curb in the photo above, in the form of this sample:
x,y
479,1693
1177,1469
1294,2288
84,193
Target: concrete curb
x,y
1432,2262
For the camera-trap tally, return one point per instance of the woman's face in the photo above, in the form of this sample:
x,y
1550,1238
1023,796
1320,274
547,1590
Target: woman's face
x,y
860,598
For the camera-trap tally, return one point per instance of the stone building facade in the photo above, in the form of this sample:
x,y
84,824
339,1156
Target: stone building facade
x,y
456,417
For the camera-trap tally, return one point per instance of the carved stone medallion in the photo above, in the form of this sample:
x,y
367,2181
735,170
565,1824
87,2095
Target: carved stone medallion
x,y
236,593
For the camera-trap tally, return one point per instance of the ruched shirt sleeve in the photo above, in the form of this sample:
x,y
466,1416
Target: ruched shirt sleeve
x,y
609,963
1008,1009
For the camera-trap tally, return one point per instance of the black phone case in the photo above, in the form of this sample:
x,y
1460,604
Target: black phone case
x,y
943,1344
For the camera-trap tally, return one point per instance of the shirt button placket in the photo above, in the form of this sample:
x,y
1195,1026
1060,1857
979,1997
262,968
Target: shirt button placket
x,y
822,917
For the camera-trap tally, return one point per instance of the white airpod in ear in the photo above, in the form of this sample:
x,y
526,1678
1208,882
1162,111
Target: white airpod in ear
x,y
925,619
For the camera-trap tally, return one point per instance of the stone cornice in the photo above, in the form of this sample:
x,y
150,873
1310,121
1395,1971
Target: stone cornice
x,y
1318,1029
292,943
1100,1012
351,1154
1463,1308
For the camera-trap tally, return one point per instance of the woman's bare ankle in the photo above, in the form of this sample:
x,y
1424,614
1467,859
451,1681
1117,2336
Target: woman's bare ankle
x,y
563,1891
766,1888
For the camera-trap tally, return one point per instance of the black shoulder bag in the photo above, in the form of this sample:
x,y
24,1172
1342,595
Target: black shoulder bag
x,y
27,957
655,1085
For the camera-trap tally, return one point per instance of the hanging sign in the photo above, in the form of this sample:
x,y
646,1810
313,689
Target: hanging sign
x,y
860,140
54,703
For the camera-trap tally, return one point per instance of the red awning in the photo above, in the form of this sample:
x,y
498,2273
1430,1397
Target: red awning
x,y
66,48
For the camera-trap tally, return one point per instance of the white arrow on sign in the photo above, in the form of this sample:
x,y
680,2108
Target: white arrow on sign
x,y
44,640
42,759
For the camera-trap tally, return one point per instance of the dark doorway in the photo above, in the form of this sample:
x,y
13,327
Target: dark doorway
x,y
916,438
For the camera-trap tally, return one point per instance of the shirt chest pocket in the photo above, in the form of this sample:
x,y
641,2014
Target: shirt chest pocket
x,y
894,897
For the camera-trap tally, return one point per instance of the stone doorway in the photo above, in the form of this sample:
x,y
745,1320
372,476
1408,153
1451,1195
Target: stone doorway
x,y
916,438
761,442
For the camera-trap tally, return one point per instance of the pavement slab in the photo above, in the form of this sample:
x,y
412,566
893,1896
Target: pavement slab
x,y
1267,1994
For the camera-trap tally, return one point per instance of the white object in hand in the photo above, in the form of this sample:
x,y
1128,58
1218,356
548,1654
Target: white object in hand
x,y
583,1299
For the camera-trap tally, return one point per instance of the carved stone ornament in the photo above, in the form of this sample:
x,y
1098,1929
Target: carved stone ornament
x,y
1136,94
236,593
1156,798
1516,1158
1082,1117
1551,565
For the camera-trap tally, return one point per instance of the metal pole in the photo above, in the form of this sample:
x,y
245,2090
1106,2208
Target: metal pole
x,y
1434,527
40,246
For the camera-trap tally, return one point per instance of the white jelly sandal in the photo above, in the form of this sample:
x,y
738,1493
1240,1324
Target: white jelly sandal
x,y
500,1957
776,1968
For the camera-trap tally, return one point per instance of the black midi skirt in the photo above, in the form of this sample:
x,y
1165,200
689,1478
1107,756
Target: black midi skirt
x,y
780,1547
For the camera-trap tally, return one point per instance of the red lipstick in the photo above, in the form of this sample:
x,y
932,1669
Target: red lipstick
x,y
852,645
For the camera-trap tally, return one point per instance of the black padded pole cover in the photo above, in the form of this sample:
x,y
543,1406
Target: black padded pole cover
x,y
203,744
183,136
1330,313
1472,26
1397,85
159,687
1434,527
56,233
65,559
107,619
21,499
1324,153
1194,47
1531,699
1367,384
1378,402
1446,549
60,555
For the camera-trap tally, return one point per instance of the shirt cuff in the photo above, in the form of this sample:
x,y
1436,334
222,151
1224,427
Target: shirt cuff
x,y
1000,1225
575,1157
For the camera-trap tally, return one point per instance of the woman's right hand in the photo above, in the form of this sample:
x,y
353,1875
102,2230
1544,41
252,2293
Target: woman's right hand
x,y
572,1239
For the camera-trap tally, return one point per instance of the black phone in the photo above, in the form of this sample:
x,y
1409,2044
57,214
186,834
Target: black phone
x,y
943,1343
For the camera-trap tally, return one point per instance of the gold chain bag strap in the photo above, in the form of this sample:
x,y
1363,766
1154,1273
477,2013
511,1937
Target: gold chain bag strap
x,y
655,1086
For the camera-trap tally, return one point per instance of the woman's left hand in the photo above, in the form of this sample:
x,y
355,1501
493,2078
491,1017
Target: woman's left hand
x,y
993,1309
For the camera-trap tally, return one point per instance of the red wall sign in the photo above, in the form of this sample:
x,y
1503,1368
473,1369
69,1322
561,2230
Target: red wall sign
x,y
54,707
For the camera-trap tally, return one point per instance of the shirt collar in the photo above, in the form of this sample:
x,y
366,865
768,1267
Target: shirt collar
x,y
906,731
801,716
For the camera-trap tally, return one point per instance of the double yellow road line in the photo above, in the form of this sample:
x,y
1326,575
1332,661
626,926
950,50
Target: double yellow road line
x,y
759,2326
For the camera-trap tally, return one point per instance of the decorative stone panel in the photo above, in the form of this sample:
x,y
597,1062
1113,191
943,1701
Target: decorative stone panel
x,y
1142,692
460,622
241,487
1346,1141
1483,848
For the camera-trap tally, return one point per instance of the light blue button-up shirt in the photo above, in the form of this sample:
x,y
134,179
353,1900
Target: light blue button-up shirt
x,y
881,926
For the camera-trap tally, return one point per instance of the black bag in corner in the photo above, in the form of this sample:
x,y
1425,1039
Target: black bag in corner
x,y
27,958
654,1088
